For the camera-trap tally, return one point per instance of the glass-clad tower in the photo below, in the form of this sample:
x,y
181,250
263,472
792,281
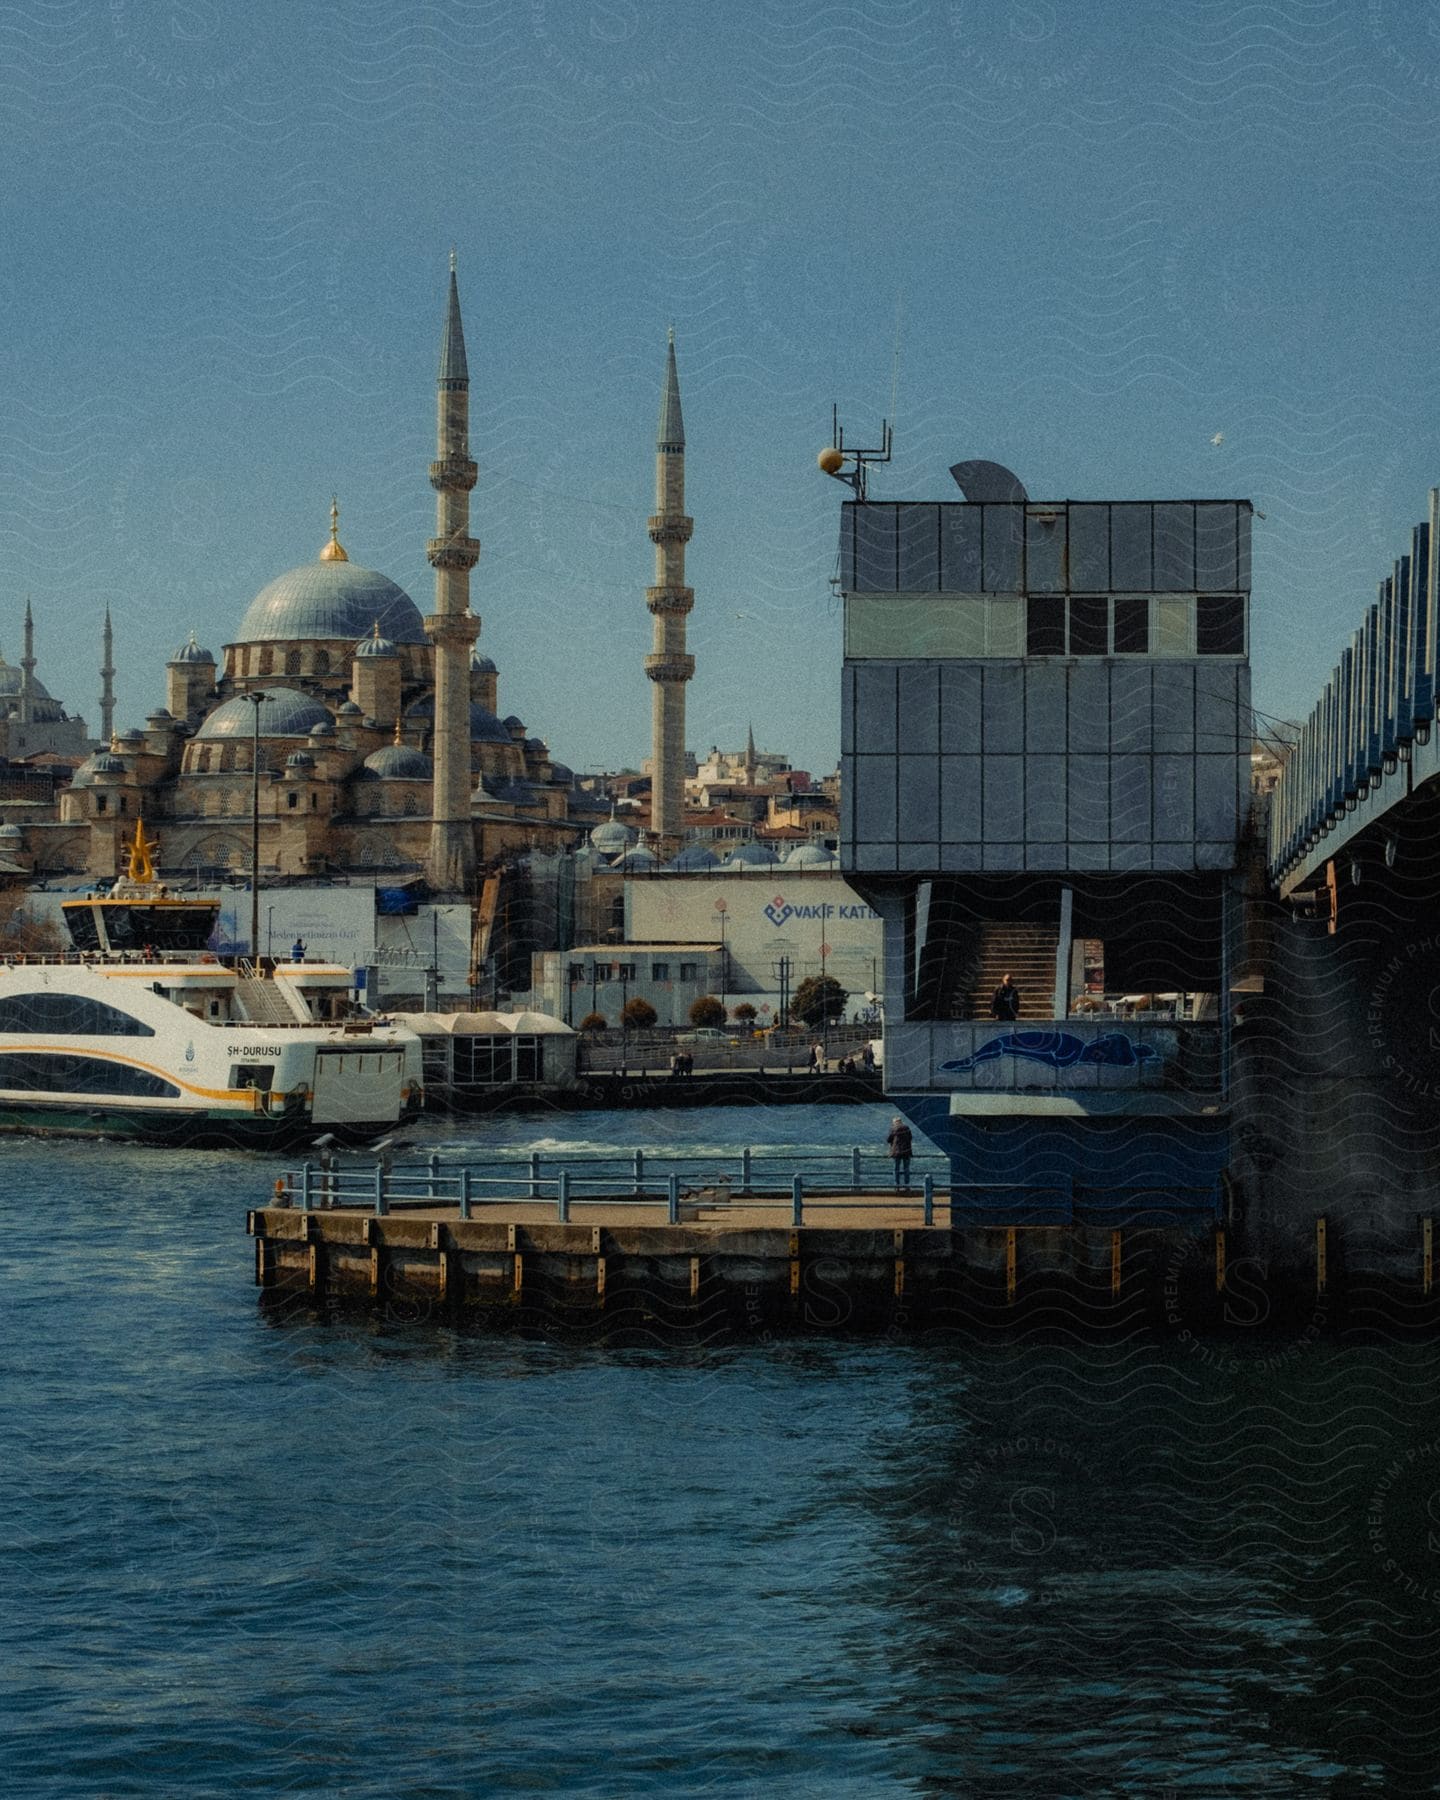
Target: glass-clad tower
x,y
1046,755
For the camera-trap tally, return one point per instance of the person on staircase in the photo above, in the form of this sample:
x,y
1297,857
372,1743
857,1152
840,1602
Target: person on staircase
x,y
1005,1003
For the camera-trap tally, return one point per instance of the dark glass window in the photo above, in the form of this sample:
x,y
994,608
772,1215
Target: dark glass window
x,y
482,1060
687,971
660,971
527,1059
29,1072
1089,625
577,972
1132,626
626,971
1045,625
1220,624
67,1015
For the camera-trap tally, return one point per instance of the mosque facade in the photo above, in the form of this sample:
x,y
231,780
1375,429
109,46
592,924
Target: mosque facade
x,y
380,742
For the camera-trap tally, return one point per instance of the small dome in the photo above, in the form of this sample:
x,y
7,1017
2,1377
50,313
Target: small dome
x,y
537,747
10,834
191,652
349,710
132,736
562,773
485,728
323,730
375,645
284,712
82,775
514,724
612,837
752,856
299,759
481,665
400,762
694,857
813,856
161,716
641,857
108,765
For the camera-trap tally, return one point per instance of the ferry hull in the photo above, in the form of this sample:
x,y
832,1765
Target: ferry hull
x,y
186,1130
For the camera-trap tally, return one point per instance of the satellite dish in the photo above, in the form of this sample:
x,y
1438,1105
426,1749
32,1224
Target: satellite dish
x,y
988,481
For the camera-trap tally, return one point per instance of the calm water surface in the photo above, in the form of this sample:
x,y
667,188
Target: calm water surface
x,y
250,1554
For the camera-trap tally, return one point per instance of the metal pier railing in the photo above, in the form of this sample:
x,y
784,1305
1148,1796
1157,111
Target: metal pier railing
x,y
855,1179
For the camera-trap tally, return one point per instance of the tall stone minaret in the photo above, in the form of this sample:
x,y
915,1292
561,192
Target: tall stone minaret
x,y
107,682
27,669
452,627
670,601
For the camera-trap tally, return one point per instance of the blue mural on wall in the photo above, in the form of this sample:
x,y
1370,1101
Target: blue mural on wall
x,y
1056,1049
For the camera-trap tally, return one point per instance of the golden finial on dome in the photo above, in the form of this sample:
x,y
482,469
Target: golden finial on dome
x,y
334,551
142,851
399,731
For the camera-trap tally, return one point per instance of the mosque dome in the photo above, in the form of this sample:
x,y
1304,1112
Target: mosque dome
x,y
612,837
812,856
349,710
751,856
132,736
47,711
331,599
375,645
11,834
482,665
83,775
636,860
322,731
107,765
485,728
299,759
283,713
400,762
695,857
191,652
512,723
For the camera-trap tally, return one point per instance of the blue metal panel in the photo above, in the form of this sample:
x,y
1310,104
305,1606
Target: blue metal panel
x,y
1004,709
1131,716
1130,799
875,548
1174,571
918,726
847,710
847,547
1045,799
918,808
1045,706
1373,690
1244,520
1174,686
1132,566
875,707
1390,601
1003,782
959,803
1088,799
961,565
875,799
1089,707
1004,548
918,548
1215,547
960,696
1045,556
1089,549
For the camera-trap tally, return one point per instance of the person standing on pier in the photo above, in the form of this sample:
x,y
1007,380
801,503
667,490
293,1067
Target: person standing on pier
x,y
902,1148
1006,1001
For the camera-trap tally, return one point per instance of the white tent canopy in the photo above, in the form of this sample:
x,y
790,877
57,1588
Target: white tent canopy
x,y
485,1024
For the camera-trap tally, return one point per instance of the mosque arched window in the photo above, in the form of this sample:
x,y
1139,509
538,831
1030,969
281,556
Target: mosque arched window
x,y
292,662
322,662
267,660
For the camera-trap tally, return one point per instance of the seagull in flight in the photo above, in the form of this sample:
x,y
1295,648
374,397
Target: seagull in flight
x,y
1218,439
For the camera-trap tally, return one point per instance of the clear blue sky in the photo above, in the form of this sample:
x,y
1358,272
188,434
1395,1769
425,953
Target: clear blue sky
x,y
1115,232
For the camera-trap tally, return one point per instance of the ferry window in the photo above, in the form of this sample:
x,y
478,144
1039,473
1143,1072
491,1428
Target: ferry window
x,y
527,1059
28,1072
1132,625
1220,625
1089,625
253,1075
67,1015
660,971
1045,634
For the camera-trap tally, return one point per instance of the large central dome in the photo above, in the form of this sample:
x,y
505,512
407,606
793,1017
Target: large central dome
x,y
330,600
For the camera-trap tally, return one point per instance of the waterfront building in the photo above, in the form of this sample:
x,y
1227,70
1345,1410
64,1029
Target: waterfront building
x,y
1046,737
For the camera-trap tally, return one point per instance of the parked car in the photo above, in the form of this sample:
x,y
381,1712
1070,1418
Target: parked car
x,y
708,1034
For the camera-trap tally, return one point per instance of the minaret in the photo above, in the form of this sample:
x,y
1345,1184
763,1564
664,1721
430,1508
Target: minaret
x,y
107,682
670,601
750,759
27,670
452,627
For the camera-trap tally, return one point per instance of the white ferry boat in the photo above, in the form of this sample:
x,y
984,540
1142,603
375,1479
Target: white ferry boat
x,y
140,1032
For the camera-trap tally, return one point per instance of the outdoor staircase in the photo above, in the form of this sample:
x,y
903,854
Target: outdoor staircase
x,y
1026,953
263,1002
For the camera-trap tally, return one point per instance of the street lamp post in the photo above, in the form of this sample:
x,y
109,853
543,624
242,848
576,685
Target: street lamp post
x,y
721,908
257,699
